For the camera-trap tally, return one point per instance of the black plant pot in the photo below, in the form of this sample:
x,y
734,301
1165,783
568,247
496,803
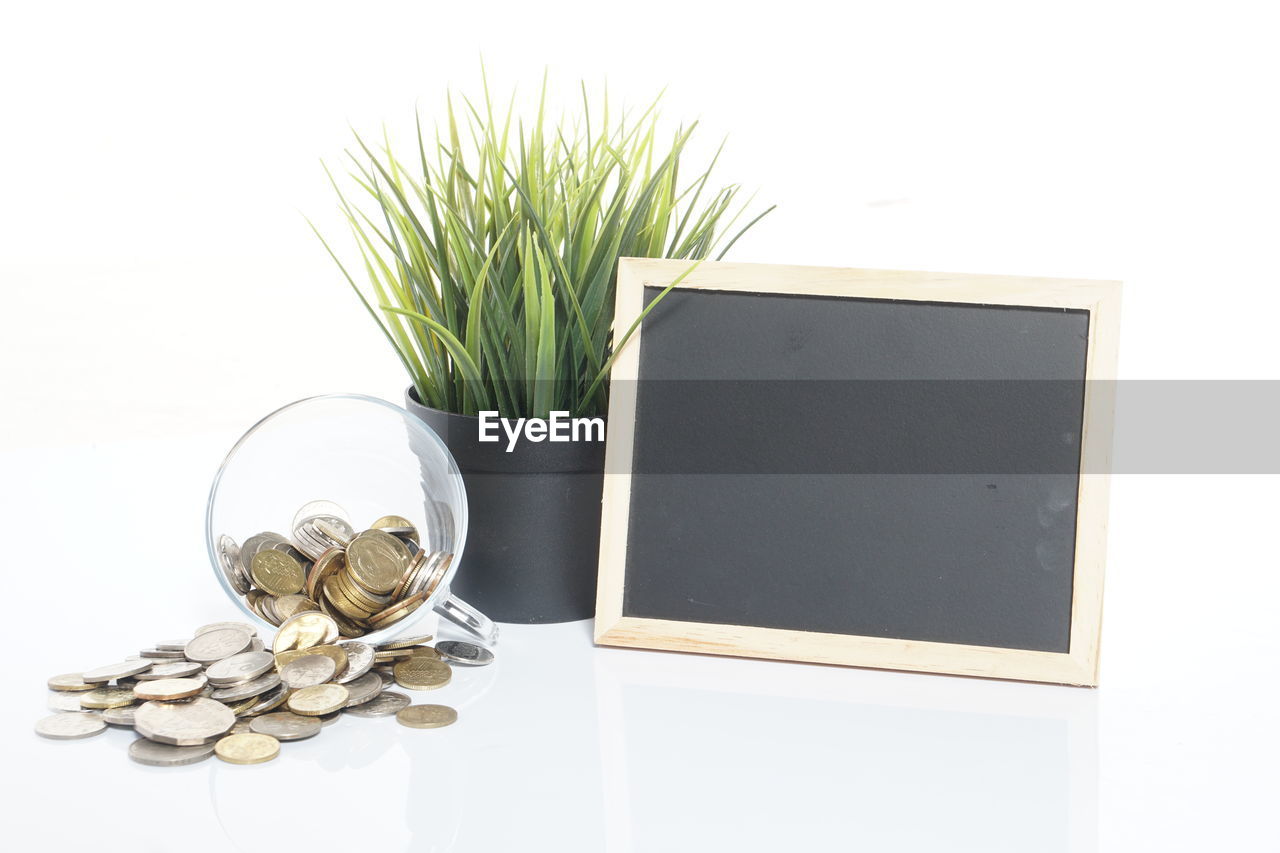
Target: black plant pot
x,y
533,537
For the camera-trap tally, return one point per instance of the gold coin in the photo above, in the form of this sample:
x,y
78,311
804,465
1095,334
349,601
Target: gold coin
x,y
101,698
404,527
426,716
426,652
169,689
306,629
288,606
422,673
335,592
346,628
331,561
319,700
396,612
247,748
377,560
71,681
405,642
391,654
277,572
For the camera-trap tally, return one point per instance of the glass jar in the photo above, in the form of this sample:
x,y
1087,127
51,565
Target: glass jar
x,y
369,457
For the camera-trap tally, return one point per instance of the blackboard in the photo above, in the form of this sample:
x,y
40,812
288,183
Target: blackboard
x,y
835,465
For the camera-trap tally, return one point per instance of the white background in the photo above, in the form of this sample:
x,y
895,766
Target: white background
x,y
162,290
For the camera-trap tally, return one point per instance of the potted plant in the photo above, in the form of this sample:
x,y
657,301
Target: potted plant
x,y
489,262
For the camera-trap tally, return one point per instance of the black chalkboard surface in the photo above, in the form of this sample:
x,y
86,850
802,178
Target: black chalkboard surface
x,y
887,463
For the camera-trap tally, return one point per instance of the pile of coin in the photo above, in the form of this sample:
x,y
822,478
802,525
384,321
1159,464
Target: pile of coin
x,y
223,692
362,581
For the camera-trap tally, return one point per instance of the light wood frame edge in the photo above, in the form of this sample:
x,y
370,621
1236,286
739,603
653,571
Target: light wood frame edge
x,y
1077,667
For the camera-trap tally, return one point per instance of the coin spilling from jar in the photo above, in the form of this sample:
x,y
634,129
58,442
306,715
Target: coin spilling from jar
x,y
364,581
224,692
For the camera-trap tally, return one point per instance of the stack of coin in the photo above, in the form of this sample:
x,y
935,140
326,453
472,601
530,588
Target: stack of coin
x,y
363,581
223,692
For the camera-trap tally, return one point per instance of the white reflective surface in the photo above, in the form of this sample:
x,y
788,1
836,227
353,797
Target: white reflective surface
x,y
564,747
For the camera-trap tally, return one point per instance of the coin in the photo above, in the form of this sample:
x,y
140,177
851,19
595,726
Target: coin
x,y
107,697
307,671
173,645
215,645
277,572
103,674
239,669
405,642
376,560
122,717
70,726
334,653
155,754
312,509
388,655
426,716
288,606
169,689
218,626
397,611
384,704
317,700
426,652
162,654
359,660
174,669
421,673
239,692
327,720
456,651
364,688
229,563
249,748
284,726
183,723
268,701
333,530
65,702
304,630
70,681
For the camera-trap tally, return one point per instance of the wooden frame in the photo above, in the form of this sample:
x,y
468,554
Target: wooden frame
x,y
1079,666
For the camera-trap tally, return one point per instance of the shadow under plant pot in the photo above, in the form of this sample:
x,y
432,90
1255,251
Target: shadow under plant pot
x,y
533,533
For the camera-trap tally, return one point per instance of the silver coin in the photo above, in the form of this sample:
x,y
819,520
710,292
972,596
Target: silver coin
x,y
124,669
122,717
162,654
252,630
388,677
172,645
334,529
313,509
359,660
308,671
61,701
167,669
364,689
469,654
329,719
229,562
240,669
285,726
216,645
257,686
385,704
268,701
70,726
155,754
189,723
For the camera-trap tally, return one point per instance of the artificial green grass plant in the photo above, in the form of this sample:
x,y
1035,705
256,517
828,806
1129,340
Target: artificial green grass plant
x,y
490,258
